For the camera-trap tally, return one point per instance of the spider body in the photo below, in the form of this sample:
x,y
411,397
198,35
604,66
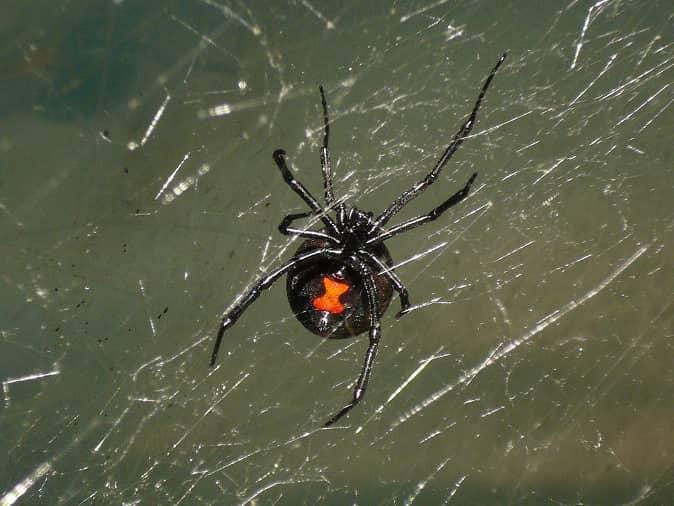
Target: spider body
x,y
328,296
341,279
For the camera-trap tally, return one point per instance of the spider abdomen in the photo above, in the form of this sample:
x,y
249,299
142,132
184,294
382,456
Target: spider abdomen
x,y
328,296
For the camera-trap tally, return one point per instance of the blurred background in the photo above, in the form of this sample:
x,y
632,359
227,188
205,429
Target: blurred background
x,y
138,199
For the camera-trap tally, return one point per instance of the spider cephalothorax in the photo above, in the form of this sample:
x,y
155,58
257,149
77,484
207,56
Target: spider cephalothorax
x,y
341,279
356,228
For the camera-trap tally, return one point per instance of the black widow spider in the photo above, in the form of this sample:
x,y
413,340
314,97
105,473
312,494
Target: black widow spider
x,y
341,279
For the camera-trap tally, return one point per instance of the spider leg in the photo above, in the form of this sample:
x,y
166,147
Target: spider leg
x,y
285,229
262,284
421,220
387,271
299,188
374,335
326,166
458,139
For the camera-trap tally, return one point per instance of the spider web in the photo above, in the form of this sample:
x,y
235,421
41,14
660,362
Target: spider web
x,y
139,200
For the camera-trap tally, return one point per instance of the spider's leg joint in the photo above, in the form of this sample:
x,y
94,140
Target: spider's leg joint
x,y
403,312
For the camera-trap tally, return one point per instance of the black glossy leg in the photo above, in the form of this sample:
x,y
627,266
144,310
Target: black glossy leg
x,y
262,284
298,187
458,139
374,335
385,270
326,165
421,220
325,154
285,228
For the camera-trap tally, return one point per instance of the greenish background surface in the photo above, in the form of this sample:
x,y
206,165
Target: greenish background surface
x,y
138,199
